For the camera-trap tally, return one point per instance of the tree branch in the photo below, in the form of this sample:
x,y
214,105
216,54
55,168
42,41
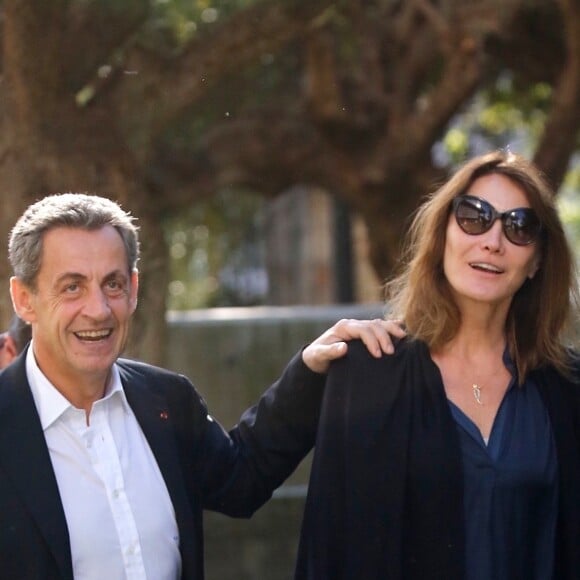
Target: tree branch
x,y
94,32
267,151
242,39
560,137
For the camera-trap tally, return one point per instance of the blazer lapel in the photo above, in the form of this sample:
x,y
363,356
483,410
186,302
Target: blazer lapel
x,y
25,458
157,423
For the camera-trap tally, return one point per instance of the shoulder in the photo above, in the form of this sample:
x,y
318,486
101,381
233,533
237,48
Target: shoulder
x,y
359,366
406,350
574,366
133,371
549,373
362,392
142,368
557,389
146,382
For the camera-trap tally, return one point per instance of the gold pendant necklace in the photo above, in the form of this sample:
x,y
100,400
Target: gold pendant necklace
x,y
477,393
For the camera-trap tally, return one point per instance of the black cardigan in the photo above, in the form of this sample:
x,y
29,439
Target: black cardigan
x,y
385,498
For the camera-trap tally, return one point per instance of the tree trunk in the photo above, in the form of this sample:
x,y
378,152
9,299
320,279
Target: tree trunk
x,y
80,153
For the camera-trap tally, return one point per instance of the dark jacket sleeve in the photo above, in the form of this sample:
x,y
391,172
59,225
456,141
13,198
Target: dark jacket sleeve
x,y
239,470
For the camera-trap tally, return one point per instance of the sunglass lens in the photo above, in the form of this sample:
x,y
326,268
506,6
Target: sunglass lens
x,y
472,217
476,216
521,226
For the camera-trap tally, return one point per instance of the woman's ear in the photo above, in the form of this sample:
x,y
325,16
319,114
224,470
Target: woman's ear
x,y
534,266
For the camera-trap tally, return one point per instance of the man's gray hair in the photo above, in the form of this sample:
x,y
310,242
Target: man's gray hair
x,y
72,210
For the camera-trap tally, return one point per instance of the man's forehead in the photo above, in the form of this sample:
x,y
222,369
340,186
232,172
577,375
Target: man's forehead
x,y
79,252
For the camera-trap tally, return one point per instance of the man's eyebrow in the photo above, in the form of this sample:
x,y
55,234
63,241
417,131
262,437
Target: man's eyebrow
x,y
116,274
70,276
78,276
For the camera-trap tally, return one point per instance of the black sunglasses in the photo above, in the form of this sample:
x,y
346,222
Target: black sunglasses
x,y
476,216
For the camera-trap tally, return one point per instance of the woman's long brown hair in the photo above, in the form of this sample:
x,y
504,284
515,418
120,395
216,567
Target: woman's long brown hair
x,y
540,323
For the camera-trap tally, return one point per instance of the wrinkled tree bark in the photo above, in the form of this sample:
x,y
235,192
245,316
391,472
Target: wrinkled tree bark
x,y
374,84
54,141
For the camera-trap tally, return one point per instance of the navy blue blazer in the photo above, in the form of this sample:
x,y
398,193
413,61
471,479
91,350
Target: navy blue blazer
x,y
204,467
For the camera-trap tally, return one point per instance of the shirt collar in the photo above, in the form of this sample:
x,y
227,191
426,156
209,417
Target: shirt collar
x,y
50,403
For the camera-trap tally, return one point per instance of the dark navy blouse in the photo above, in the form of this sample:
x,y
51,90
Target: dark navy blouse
x,y
510,489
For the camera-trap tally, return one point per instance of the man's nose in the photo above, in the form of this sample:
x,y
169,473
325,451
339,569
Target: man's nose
x,y
97,304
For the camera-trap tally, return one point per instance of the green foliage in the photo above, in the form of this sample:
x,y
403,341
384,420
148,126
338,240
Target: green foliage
x,y
206,241
214,248
504,116
175,22
456,143
569,206
511,108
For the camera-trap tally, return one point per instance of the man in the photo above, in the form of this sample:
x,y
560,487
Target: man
x,y
106,463
14,340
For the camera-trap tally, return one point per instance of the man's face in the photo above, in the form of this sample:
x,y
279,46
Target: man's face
x,y
82,305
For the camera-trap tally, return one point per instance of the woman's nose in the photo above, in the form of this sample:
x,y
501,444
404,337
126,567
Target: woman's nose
x,y
494,239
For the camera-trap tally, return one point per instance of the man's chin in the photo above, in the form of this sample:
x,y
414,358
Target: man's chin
x,y
96,363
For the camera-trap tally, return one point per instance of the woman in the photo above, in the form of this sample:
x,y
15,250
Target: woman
x,y
459,456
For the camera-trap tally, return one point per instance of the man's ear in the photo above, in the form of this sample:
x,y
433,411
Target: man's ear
x,y
22,301
134,292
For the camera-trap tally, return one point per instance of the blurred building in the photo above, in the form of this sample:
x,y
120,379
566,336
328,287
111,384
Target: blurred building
x,y
316,252
303,247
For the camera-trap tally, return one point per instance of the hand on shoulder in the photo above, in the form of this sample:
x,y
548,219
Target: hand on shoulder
x,y
377,335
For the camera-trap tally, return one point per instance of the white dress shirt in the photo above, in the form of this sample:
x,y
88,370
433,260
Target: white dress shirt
x,y
118,511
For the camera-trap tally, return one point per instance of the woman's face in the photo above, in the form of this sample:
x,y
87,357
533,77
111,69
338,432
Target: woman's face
x,y
488,268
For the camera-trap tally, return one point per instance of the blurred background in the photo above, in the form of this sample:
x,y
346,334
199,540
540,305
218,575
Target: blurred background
x,y
273,151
